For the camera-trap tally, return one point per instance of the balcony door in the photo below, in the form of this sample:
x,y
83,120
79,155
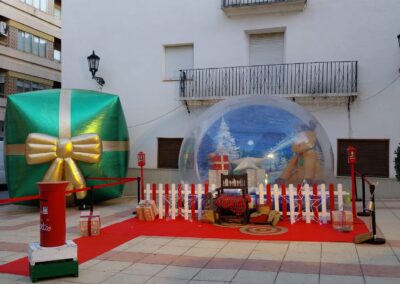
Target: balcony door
x,y
266,48
266,74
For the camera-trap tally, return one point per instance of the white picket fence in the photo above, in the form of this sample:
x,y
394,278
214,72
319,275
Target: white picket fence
x,y
305,203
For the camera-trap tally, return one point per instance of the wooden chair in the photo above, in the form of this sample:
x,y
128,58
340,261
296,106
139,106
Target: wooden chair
x,y
233,208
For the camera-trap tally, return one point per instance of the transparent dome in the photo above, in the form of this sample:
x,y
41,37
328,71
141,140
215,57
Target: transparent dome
x,y
271,139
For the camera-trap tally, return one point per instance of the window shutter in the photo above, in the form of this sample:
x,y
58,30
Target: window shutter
x,y
372,157
168,152
176,58
266,49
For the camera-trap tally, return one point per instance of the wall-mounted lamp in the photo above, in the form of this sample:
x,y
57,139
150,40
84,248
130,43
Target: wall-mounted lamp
x,y
398,38
93,61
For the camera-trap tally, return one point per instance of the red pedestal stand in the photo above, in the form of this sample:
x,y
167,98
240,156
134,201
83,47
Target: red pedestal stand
x,y
52,213
53,256
351,160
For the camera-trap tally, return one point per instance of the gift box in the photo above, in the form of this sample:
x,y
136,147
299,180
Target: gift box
x,y
255,177
342,220
208,216
140,212
148,213
219,162
214,177
89,223
146,210
86,127
151,203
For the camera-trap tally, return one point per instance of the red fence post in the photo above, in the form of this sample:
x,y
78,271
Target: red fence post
x,y
193,201
284,205
180,200
315,202
154,188
166,200
331,199
269,200
300,202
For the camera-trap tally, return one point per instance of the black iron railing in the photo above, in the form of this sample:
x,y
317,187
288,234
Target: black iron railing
x,y
337,78
235,3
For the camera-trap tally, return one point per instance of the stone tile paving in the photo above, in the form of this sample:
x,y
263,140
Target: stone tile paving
x,y
148,259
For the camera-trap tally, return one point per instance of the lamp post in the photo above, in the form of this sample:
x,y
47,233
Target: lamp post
x,y
141,159
93,62
398,39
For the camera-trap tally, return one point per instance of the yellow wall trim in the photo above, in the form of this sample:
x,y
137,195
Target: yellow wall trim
x,y
30,30
30,78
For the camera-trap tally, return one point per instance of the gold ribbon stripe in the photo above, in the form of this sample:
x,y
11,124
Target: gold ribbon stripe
x,y
108,146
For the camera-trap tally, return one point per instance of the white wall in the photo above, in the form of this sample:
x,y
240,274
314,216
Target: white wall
x,y
129,37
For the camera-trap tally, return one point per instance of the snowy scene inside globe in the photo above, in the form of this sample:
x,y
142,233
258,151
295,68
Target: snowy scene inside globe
x,y
272,140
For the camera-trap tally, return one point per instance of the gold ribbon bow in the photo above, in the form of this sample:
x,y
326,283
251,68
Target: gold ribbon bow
x,y
42,148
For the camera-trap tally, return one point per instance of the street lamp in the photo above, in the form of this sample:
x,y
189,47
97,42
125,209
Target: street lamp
x,y
398,39
93,62
141,159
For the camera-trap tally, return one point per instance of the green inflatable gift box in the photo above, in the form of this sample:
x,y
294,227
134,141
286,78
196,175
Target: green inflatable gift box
x,y
65,134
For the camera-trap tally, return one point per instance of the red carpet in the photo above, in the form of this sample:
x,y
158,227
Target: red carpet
x,y
119,233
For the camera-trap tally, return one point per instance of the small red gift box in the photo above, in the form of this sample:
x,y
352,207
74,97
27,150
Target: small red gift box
x,y
90,223
219,162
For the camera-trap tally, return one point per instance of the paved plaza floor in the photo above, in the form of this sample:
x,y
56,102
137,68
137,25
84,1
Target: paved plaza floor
x,y
152,259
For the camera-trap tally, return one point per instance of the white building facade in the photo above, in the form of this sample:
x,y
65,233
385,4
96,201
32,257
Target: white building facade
x,y
339,59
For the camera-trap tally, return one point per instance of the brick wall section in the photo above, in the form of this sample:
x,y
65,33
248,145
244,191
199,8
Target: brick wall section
x,y
10,86
13,37
50,50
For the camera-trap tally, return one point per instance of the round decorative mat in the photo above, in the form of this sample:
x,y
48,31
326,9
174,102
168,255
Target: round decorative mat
x,y
263,230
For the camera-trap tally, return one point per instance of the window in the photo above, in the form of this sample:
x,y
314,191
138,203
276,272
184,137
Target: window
x,y
372,157
27,86
42,47
38,4
35,49
176,58
57,55
57,11
2,84
31,44
168,152
57,50
266,48
27,42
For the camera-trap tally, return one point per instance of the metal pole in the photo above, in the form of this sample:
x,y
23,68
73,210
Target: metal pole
x,y
363,191
355,182
365,212
138,193
138,188
91,198
374,240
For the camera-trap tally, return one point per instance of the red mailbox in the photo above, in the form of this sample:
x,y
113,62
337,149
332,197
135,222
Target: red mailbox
x,y
52,213
351,155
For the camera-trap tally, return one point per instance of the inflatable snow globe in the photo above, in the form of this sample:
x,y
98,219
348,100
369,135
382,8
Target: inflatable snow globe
x,y
271,139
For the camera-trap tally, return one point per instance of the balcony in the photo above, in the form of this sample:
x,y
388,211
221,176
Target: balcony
x,y
249,7
314,79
